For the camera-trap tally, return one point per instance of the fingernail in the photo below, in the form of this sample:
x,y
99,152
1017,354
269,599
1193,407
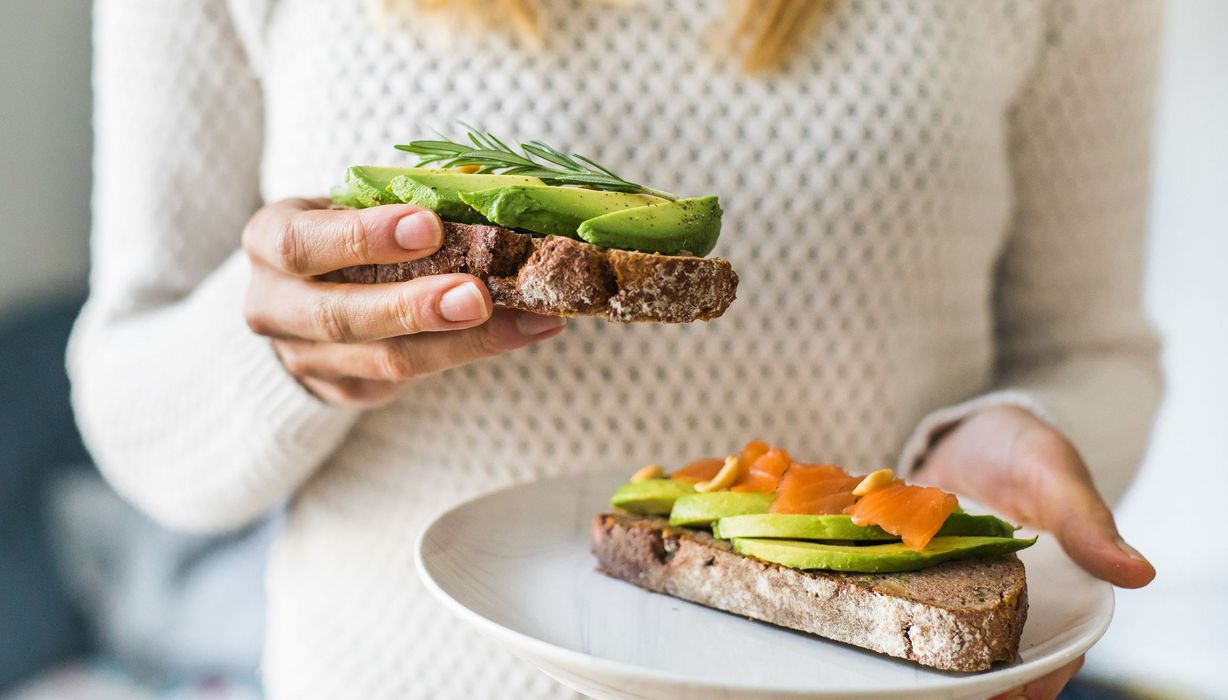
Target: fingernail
x,y
463,303
419,231
1131,551
534,324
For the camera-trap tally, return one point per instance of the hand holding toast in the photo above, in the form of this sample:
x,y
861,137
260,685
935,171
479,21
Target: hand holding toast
x,y
361,345
1010,460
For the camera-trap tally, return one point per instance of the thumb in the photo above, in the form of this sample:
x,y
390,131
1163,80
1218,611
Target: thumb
x,y
1084,526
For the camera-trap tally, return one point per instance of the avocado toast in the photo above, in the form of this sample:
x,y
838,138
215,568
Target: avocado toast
x,y
553,233
869,561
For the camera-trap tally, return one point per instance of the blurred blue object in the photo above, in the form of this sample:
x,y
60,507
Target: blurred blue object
x,y
82,573
38,442
166,607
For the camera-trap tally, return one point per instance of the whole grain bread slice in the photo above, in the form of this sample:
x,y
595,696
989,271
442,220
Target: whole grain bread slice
x,y
957,616
565,277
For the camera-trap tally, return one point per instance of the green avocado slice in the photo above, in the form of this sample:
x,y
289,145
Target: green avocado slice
x,y
670,228
367,185
441,191
557,211
960,523
878,558
841,527
651,497
344,196
702,509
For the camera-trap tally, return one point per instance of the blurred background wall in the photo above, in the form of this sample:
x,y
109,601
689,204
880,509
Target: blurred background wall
x,y
1170,634
45,148
1174,629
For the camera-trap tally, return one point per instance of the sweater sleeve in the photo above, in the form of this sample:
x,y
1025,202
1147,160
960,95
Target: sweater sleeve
x,y
188,413
1073,345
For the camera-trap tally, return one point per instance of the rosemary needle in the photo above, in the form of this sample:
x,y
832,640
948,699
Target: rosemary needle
x,y
535,159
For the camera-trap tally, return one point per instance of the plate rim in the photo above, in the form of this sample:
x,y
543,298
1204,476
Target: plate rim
x,y
513,639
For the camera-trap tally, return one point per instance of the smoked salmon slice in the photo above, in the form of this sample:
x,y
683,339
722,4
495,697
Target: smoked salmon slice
x,y
814,490
753,451
764,470
913,513
699,470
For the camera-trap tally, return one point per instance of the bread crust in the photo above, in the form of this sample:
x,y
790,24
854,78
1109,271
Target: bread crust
x,y
564,277
958,616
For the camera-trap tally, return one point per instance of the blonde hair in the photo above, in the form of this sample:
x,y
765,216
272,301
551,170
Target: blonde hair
x,y
764,32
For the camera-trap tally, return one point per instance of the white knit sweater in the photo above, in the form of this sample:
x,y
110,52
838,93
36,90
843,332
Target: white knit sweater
x,y
934,207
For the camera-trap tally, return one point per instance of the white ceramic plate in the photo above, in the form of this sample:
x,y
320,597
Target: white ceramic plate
x,y
516,565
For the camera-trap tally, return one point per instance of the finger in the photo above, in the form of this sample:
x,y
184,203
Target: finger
x,y
1069,506
295,237
1046,687
399,360
280,306
353,393
1089,535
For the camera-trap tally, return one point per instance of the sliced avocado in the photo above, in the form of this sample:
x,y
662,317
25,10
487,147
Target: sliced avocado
x,y
960,523
841,527
440,191
345,197
877,558
368,184
651,497
797,527
702,509
686,225
555,211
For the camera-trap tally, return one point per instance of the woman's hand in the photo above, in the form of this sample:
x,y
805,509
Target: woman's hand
x,y
1021,467
357,344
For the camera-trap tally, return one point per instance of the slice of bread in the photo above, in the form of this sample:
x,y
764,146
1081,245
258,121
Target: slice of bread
x,y
565,277
958,616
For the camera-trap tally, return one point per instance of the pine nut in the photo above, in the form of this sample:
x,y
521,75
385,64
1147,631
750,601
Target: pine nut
x,y
726,477
874,481
652,471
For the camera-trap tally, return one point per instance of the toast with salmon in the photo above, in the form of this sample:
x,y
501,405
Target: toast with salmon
x,y
867,560
958,616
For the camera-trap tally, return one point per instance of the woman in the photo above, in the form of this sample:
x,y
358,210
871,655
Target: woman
x,y
936,211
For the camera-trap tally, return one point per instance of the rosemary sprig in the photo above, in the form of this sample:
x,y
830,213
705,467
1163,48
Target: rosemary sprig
x,y
535,159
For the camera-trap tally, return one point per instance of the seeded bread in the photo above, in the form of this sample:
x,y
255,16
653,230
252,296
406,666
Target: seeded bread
x,y
564,277
957,616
